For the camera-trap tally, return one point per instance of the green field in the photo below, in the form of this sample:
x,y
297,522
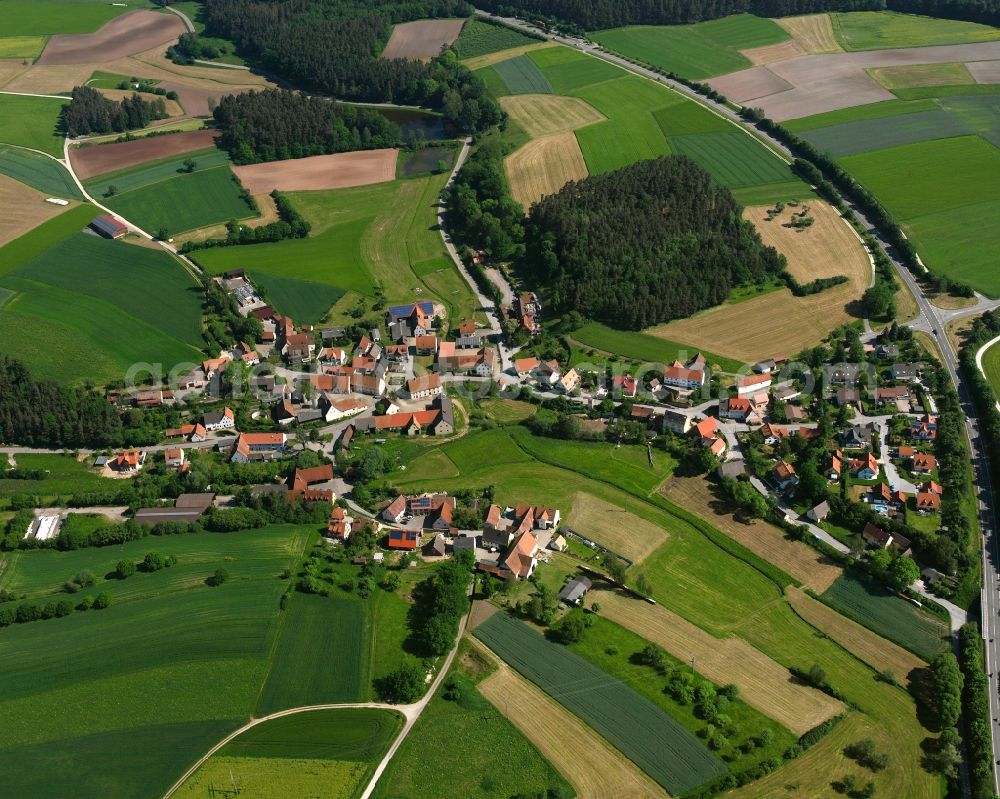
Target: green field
x,y
152,173
21,46
864,136
39,172
522,76
882,110
31,122
640,347
157,678
696,51
426,766
567,70
991,366
304,300
70,326
43,17
881,610
480,38
348,248
732,158
34,243
321,655
318,753
878,30
64,476
650,738
184,202
922,75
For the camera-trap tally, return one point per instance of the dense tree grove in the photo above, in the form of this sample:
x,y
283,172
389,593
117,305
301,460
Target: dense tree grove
x,y
442,601
651,242
276,124
89,111
332,46
42,413
976,704
599,14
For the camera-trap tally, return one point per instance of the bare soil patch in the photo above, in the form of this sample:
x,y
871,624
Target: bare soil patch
x,y
984,71
49,79
813,84
779,321
861,642
603,773
489,59
101,158
543,166
801,561
764,683
812,32
614,528
320,172
125,35
23,209
10,68
546,114
422,39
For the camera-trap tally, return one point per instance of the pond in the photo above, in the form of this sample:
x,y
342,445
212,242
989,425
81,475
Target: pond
x,y
432,126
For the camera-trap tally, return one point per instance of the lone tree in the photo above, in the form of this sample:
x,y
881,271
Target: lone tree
x,y
219,577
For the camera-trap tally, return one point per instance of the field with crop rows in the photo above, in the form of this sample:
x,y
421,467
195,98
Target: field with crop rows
x,y
480,38
881,610
882,30
321,655
31,122
304,300
39,172
319,753
695,51
183,661
522,76
660,746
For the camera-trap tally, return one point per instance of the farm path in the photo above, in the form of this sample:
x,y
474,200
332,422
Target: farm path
x,y
410,712
184,17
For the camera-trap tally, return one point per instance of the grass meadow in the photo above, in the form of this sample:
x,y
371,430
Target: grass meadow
x,y
31,122
696,51
522,76
157,677
304,300
640,347
64,476
480,38
39,172
44,17
35,242
880,30
21,46
991,366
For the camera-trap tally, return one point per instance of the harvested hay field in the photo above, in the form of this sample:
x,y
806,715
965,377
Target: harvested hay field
x,y
489,59
778,321
338,171
773,53
125,35
873,649
614,528
543,166
560,736
920,75
48,79
763,683
547,114
799,560
24,209
812,32
422,39
96,160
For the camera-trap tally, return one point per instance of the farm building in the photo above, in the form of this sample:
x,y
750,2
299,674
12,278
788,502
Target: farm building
x,y
108,226
404,539
573,592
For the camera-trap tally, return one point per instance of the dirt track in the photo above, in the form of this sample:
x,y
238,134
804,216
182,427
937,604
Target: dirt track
x,y
90,161
422,39
125,35
813,84
320,172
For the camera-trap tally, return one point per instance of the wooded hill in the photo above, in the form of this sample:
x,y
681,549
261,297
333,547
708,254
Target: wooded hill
x,y
333,46
89,111
276,124
600,14
652,242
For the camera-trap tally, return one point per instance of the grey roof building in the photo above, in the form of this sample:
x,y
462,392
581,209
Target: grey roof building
x,y
574,590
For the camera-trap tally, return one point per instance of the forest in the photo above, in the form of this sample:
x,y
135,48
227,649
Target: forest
x,y
332,47
276,124
89,111
645,244
599,14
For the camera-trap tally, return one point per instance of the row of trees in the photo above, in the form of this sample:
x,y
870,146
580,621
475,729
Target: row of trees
x,y
976,705
89,111
276,124
577,15
654,241
332,47
289,225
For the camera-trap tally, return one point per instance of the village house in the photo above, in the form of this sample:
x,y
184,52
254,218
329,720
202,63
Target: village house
x,y
405,540
298,348
258,447
569,382
173,458
520,561
153,398
415,319
772,433
129,460
284,412
928,501
891,394
424,386
841,374
881,495
224,419
340,524
786,393
858,436
676,422
819,512
784,475
502,525
626,384
752,384
371,384
865,468
574,591
921,463
793,413
425,344
847,396
887,352
678,375
332,356
880,539
924,428
194,433
908,372
395,510
741,409
333,410
523,367
836,467
303,482
437,420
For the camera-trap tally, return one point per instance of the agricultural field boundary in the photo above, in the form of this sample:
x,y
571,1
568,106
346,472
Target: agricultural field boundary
x,y
979,359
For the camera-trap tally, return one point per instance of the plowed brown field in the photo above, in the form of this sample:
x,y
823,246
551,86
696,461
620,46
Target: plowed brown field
x,y
98,159
320,172
125,35
764,683
422,39
24,209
